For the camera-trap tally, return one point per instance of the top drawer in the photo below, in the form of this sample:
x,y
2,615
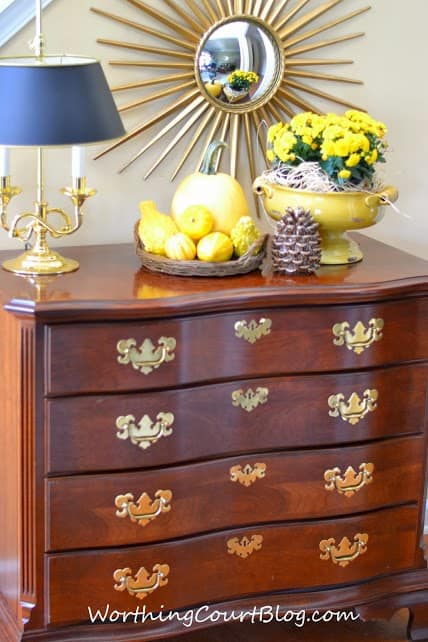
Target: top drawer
x,y
102,357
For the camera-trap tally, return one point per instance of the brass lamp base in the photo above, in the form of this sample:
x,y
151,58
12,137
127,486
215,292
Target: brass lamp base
x,y
35,263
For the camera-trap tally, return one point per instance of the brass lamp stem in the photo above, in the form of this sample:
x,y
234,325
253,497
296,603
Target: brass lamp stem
x,y
40,176
39,40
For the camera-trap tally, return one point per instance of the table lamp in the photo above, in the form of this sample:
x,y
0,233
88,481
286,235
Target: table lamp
x,y
47,101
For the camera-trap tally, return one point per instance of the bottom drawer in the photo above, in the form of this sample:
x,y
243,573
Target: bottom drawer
x,y
232,563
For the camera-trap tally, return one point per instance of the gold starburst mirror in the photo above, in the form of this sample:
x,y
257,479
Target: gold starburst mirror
x,y
230,65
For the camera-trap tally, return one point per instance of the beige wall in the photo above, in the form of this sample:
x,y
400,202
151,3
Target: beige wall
x,y
390,59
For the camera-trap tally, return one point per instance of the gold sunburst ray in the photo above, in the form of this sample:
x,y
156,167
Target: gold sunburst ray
x,y
290,14
149,82
276,11
147,49
318,76
294,99
308,17
156,96
238,6
199,27
310,62
177,138
170,109
151,63
257,7
320,44
196,137
220,8
266,9
322,94
144,28
197,11
234,144
166,20
281,107
183,114
275,114
249,144
197,112
329,25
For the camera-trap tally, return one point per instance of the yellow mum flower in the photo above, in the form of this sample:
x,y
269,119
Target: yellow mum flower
x,y
341,147
273,131
327,149
344,173
353,160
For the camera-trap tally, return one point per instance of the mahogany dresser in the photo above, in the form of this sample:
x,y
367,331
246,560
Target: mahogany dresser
x,y
184,444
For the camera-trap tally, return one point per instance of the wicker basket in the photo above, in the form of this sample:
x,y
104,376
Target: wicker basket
x,y
246,263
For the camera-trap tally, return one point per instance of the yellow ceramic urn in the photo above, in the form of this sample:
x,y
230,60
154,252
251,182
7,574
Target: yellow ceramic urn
x,y
335,212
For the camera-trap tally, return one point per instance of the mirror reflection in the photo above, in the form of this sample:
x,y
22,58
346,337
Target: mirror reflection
x,y
237,62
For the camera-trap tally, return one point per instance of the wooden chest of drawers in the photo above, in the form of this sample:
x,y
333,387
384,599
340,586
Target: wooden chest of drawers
x,y
173,443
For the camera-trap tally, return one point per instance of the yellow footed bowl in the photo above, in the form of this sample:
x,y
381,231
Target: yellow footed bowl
x,y
336,213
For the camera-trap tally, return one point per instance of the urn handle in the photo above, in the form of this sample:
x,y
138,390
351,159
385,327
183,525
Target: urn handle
x,y
388,195
262,188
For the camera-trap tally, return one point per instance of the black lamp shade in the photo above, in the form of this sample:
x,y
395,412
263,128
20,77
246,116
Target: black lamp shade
x,y
63,100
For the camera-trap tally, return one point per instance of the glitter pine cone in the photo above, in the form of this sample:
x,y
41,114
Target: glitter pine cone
x,y
296,244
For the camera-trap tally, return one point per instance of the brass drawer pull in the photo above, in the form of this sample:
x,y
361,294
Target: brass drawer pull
x,y
249,400
144,582
147,357
355,408
360,338
145,510
244,547
247,475
345,552
146,432
253,330
351,482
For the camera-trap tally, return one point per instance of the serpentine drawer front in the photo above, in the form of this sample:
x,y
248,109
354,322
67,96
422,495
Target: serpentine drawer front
x,y
153,354
132,508
172,442
153,428
252,560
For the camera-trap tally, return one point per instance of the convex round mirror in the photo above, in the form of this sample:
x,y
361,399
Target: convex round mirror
x,y
239,64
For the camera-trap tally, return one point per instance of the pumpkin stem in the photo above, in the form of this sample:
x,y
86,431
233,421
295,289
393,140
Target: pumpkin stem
x,y
208,163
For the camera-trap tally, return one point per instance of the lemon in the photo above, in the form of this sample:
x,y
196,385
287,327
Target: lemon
x,y
180,247
196,221
216,246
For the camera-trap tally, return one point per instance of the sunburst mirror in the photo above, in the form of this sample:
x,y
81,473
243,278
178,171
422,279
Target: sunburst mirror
x,y
275,40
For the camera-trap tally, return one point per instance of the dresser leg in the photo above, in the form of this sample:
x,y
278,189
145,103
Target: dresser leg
x,y
418,623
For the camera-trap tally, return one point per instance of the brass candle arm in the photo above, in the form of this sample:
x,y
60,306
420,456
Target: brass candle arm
x,y
40,259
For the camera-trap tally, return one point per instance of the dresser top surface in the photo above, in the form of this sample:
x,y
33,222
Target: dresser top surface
x,y
111,282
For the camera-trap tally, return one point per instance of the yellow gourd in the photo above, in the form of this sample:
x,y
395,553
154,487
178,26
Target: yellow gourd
x,y
220,193
215,247
180,247
155,228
